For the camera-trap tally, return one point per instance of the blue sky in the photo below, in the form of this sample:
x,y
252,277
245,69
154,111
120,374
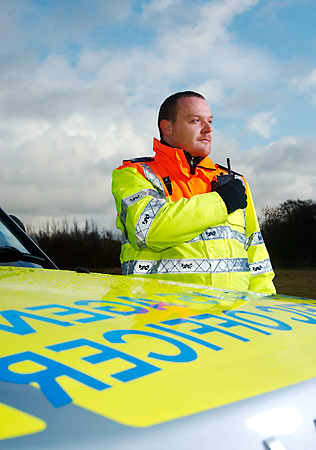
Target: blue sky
x,y
82,82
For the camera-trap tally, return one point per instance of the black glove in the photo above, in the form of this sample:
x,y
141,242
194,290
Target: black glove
x,y
233,194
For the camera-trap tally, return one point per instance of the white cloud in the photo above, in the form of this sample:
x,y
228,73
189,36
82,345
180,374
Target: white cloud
x,y
306,84
66,171
310,80
155,6
213,90
283,170
207,50
261,123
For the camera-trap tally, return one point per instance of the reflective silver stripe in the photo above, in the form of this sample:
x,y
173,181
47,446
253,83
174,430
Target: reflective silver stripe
x,y
139,267
261,267
221,232
154,180
185,266
255,239
124,239
150,210
128,201
146,219
141,194
230,265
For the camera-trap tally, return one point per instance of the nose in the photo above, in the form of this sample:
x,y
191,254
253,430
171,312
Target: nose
x,y
207,127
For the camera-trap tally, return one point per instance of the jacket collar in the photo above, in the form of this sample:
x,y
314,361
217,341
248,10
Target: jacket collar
x,y
178,156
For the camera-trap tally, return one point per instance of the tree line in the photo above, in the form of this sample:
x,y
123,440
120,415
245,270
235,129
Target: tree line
x,y
72,247
288,231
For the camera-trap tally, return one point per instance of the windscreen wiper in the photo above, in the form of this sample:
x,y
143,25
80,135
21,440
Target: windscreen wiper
x,y
12,254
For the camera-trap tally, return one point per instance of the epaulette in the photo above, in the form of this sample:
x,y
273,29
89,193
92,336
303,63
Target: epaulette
x,y
226,169
137,160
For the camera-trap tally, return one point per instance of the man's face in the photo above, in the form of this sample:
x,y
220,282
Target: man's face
x,y
192,130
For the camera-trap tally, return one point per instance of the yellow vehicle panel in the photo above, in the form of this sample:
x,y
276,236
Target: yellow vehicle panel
x,y
142,352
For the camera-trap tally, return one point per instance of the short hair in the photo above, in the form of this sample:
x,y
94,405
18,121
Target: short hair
x,y
169,110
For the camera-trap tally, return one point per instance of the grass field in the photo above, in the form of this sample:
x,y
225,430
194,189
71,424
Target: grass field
x,y
298,282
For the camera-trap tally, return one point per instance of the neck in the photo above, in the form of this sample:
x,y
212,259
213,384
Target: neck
x,y
166,143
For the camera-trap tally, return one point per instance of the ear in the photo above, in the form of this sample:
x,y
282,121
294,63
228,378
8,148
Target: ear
x,y
166,126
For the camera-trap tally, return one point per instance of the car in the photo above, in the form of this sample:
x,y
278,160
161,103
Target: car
x,y
91,360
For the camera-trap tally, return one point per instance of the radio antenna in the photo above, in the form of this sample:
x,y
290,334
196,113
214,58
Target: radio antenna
x,y
228,166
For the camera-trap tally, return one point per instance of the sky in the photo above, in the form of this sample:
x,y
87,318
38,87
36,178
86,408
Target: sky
x,y
82,82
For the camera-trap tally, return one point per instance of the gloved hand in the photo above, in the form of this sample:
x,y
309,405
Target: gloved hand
x,y
233,194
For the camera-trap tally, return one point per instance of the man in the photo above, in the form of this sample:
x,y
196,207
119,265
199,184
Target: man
x,y
185,218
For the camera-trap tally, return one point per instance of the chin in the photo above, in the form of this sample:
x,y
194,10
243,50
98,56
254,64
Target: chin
x,y
202,153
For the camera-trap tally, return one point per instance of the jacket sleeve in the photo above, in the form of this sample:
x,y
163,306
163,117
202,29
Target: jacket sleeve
x,y
148,220
261,269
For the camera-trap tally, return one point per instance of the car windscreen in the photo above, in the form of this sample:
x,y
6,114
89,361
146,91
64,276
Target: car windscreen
x,y
7,239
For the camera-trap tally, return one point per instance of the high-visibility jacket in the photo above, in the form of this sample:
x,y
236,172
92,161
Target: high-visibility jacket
x,y
175,228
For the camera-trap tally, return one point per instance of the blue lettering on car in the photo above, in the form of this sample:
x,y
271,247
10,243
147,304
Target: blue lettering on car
x,y
276,324
186,354
110,307
20,326
105,353
50,370
46,378
69,310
